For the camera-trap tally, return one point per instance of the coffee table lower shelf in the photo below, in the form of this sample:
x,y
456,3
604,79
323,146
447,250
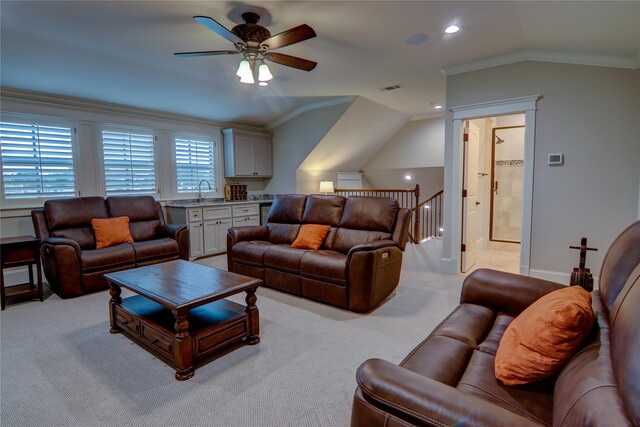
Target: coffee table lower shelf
x,y
211,327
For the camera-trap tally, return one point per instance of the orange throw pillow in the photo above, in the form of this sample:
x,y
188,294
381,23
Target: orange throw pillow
x,y
311,236
111,231
544,336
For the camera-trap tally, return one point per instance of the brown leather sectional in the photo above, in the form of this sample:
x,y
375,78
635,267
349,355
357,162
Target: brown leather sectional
x,y
449,379
72,264
358,265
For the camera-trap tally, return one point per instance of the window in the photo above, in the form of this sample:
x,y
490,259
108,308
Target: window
x,y
129,166
194,162
37,160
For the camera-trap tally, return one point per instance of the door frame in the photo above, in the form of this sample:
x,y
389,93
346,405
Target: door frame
x,y
450,262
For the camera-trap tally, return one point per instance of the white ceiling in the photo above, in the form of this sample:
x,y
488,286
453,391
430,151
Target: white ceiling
x,y
122,51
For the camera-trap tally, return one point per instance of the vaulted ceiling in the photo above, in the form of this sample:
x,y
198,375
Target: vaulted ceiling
x,y
122,51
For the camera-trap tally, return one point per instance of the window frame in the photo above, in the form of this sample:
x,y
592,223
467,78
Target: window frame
x,y
115,127
217,165
40,120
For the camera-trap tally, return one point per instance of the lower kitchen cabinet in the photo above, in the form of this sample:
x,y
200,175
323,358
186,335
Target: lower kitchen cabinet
x,y
208,224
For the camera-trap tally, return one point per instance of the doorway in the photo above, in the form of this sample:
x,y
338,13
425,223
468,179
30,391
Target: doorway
x,y
492,197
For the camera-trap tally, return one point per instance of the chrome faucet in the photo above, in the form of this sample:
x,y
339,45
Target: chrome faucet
x,y
200,189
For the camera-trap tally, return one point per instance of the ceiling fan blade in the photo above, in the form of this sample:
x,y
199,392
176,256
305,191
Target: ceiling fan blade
x,y
291,36
215,26
207,53
291,61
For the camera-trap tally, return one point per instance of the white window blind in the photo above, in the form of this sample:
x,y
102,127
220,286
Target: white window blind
x,y
194,162
128,162
37,161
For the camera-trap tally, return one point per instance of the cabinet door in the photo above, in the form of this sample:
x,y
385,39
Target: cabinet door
x,y
262,156
211,240
243,155
195,239
223,227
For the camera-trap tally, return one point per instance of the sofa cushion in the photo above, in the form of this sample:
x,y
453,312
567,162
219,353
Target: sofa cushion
x,y
74,213
534,401
324,265
282,233
155,249
111,231
250,252
369,213
326,210
284,258
144,218
107,258
440,358
311,236
544,336
287,209
71,218
344,239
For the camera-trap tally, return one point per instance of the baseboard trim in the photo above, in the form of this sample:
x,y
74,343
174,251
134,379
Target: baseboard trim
x,y
449,266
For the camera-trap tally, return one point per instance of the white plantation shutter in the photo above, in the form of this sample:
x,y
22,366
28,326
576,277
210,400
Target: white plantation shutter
x,y
194,162
37,161
128,162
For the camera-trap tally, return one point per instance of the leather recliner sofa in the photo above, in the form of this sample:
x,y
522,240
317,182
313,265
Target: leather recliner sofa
x,y
72,264
449,379
358,264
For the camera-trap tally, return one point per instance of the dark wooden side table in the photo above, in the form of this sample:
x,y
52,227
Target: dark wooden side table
x,y
16,252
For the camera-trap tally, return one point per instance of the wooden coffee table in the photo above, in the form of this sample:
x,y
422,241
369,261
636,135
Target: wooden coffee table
x,y
180,313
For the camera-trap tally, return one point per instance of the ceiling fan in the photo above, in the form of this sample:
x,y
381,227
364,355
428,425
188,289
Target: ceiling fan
x,y
256,43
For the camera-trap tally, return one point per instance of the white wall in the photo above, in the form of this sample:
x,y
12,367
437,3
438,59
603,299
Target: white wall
x,y
294,140
591,115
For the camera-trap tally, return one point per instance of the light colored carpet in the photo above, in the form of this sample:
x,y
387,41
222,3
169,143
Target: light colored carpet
x,y
61,367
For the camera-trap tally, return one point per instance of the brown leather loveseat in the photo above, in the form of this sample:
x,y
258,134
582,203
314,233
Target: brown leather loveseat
x,y
357,266
72,264
449,379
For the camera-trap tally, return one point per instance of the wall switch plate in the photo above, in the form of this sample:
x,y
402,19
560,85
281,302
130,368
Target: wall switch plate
x,y
556,159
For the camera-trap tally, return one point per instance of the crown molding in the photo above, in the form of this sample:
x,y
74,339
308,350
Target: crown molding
x,y
107,107
544,56
308,107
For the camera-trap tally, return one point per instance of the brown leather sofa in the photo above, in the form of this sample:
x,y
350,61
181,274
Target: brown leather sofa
x,y
449,379
72,264
358,265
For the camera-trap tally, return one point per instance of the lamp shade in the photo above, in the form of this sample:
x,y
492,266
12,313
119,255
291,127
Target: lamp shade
x,y
264,74
326,187
244,69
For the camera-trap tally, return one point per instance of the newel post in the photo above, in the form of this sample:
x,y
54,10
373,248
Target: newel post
x,y
416,218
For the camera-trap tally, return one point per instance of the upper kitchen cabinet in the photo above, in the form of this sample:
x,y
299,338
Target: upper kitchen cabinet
x,y
247,154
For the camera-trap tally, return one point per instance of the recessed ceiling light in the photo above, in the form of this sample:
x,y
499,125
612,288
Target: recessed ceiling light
x,y
437,107
452,29
407,177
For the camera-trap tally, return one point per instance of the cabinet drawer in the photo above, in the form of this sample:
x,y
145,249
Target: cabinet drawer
x,y
128,322
158,340
213,341
246,220
18,254
216,213
245,210
194,215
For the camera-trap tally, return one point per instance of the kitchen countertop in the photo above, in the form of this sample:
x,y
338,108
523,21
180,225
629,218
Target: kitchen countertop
x,y
195,204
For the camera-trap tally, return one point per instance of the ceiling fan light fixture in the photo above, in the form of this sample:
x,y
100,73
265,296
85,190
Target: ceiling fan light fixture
x,y
244,69
248,79
264,74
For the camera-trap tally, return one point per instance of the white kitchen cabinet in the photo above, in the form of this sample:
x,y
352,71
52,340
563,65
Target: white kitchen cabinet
x,y
247,154
208,224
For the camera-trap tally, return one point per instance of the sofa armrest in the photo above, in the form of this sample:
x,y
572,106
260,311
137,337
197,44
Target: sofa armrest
x,y
419,399
373,272
61,260
171,230
241,234
507,292
180,233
